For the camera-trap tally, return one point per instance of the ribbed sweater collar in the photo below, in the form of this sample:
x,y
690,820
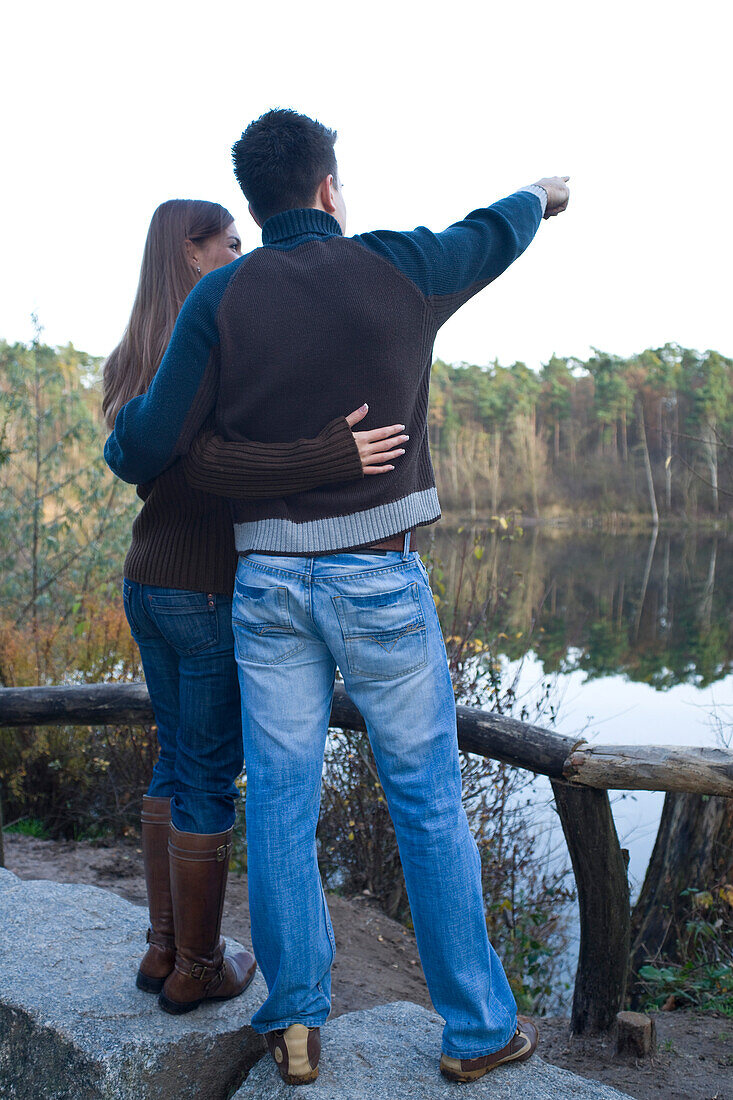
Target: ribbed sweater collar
x,y
299,223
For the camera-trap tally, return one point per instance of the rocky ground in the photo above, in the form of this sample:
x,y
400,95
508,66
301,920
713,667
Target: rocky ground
x,y
377,963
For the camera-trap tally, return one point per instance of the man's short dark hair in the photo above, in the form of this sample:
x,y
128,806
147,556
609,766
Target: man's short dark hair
x,y
280,159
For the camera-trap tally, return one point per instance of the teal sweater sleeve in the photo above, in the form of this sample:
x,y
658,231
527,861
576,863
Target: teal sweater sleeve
x,y
450,267
154,429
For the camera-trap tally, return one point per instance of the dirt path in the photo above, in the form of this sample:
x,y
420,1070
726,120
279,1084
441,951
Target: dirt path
x,y
377,962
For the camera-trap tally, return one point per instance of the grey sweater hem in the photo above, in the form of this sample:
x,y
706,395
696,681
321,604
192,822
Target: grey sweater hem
x,y
320,536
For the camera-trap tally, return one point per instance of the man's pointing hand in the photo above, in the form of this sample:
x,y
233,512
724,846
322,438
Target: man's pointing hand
x,y
558,194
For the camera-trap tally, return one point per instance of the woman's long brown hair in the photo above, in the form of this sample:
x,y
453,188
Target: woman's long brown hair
x,y
166,278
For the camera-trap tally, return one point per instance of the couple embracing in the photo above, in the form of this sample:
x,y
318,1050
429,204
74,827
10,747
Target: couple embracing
x,y
254,482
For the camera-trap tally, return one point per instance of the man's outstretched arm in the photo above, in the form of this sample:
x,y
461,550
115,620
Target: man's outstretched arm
x,y
450,267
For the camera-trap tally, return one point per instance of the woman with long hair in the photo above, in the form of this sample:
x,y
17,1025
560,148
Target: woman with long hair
x,y
177,589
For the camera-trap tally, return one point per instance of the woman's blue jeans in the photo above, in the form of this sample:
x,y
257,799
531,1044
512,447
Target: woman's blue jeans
x,y
187,650
296,619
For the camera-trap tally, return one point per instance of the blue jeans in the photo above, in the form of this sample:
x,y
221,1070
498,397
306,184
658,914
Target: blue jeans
x,y
296,619
187,650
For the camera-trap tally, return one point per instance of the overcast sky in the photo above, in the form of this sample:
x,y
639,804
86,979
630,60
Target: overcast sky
x,y
440,107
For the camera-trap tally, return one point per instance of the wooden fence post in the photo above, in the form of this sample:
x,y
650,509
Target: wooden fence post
x,y
603,903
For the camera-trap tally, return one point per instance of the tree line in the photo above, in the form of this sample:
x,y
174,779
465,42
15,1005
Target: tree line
x,y
648,434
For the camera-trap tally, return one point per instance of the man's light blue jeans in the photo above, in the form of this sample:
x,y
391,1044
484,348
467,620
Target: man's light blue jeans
x,y
295,619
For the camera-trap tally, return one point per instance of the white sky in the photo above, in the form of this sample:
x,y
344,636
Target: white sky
x,y
441,107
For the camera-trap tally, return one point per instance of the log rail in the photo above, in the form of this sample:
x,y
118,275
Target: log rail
x,y
545,752
581,774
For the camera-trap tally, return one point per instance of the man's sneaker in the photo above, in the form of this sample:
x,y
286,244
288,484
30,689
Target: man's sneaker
x,y
296,1050
521,1047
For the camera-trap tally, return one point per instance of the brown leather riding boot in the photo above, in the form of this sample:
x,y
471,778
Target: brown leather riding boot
x,y
199,863
160,956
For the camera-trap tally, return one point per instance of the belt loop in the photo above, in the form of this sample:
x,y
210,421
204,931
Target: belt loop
x,y
406,548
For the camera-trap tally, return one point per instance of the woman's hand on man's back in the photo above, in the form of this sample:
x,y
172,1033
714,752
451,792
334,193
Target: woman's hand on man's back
x,y
380,447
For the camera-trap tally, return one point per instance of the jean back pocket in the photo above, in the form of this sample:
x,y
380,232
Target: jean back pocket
x,y
263,629
384,632
187,620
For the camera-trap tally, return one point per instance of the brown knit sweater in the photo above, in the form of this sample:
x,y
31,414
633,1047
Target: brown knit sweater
x,y
183,536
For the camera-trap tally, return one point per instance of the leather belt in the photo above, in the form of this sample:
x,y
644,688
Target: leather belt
x,y
394,542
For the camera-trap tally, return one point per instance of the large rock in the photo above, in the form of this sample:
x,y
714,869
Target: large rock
x,y
74,1027
391,1053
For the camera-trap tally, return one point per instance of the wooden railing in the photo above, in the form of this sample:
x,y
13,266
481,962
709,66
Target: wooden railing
x,y
580,774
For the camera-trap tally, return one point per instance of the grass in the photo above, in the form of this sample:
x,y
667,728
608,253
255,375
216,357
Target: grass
x,y
28,826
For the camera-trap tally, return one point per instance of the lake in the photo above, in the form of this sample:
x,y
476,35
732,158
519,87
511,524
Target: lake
x,y
624,639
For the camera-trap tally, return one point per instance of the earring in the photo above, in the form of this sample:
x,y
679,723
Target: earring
x,y
198,269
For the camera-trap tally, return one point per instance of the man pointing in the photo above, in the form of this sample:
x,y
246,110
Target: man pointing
x,y
279,342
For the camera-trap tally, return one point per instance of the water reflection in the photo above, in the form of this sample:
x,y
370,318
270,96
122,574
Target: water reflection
x,y
618,639
655,609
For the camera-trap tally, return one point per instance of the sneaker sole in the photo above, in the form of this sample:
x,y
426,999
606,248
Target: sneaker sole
x,y
289,1079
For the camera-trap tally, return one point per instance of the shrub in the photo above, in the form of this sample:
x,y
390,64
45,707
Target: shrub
x,y
703,976
73,779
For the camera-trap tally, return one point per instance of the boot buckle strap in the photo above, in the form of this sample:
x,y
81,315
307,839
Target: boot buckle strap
x,y
200,972
222,852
